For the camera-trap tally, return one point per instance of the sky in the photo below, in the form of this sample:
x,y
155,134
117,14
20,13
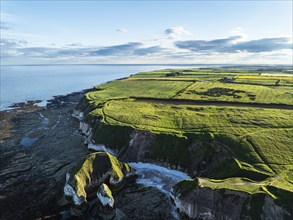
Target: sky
x,y
146,32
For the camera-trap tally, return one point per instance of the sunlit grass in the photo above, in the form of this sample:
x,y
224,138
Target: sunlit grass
x,y
259,140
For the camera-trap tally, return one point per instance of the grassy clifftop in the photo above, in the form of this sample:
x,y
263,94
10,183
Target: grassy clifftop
x,y
247,112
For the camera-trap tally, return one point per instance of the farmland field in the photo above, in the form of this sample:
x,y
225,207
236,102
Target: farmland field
x,y
247,112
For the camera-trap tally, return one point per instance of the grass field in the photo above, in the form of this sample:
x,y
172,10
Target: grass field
x,y
139,88
259,140
232,92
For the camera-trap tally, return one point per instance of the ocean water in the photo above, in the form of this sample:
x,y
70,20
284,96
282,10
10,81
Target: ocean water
x,y
42,82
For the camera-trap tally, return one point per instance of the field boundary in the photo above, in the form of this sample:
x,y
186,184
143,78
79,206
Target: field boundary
x,y
212,103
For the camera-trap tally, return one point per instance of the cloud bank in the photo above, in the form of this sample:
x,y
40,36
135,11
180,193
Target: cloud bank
x,y
5,26
233,45
233,49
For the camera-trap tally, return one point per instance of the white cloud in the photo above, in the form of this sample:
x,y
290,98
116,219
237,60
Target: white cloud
x,y
123,30
176,32
238,31
166,49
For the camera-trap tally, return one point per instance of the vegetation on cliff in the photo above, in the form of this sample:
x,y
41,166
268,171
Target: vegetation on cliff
x,y
95,169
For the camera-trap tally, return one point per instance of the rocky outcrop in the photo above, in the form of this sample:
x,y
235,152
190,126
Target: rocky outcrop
x,y
104,206
104,194
145,203
32,175
91,172
205,203
86,130
206,157
79,115
138,145
199,156
271,211
198,202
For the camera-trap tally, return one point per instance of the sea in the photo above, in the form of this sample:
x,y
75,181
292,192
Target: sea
x,y
21,83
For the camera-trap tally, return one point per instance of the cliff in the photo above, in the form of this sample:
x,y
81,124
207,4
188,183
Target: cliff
x,y
150,118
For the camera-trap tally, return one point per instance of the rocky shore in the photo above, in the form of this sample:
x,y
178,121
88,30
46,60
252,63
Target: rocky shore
x,y
38,146
48,171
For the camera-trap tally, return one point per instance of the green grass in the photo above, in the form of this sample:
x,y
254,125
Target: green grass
x,y
258,140
266,79
139,88
244,131
188,119
231,92
92,169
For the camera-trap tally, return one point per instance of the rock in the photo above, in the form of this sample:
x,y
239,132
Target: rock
x,y
271,211
52,166
78,114
107,213
94,170
32,177
145,203
205,203
138,145
104,194
104,206
86,130
199,202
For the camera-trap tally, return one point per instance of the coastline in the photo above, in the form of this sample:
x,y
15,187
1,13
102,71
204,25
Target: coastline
x,y
37,147
43,103
40,145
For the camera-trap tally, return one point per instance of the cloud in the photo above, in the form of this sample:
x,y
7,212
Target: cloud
x,y
74,45
202,45
17,48
225,50
10,47
150,51
263,45
9,43
118,49
233,45
176,32
5,26
123,30
130,49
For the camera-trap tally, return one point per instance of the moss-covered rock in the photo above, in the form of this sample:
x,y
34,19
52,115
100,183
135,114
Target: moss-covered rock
x,y
94,170
104,194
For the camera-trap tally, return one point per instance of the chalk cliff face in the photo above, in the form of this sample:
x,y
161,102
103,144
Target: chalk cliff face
x,y
138,145
86,130
199,158
199,202
104,206
205,203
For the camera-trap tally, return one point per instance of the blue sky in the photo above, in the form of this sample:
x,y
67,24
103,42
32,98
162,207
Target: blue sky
x,y
252,32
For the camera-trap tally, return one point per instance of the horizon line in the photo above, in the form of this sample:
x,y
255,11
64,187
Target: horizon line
x,y
141,64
